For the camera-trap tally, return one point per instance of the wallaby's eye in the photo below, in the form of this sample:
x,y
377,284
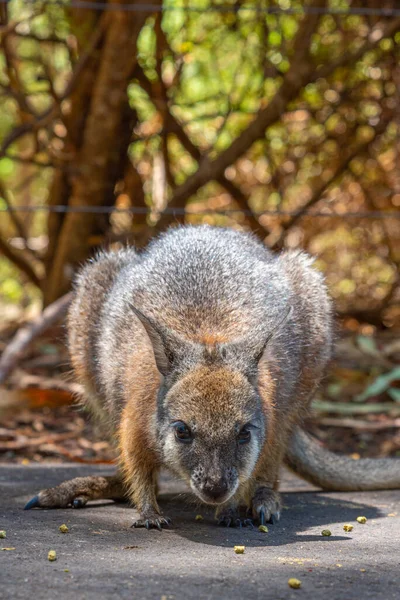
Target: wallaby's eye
x,y
182,432
244,435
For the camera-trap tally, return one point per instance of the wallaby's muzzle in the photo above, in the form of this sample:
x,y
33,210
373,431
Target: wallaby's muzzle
x,y
215,489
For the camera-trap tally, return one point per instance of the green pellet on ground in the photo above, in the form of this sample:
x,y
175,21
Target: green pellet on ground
x,y
294,583
52,555
239,549
199,518
3,534
326,532
362,520
63,528
263,528
348,527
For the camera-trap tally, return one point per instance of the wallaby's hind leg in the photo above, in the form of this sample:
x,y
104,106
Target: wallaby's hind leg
x,y
77,492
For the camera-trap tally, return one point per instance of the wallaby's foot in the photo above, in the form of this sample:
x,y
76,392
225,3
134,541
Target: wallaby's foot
x,y
266,505
77,492
230,517
153,520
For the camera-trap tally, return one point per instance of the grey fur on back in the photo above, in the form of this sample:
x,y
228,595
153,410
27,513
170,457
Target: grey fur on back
x,y
199,282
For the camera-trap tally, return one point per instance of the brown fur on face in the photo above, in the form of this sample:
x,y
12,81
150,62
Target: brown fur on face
x,y
215,402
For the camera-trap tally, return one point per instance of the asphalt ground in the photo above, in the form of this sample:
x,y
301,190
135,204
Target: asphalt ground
x,y
102,557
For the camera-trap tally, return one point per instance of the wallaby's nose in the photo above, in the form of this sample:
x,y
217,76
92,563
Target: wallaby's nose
x,y
215,488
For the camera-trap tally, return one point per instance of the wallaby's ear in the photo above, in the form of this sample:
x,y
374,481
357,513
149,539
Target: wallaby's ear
x,y
259,348
168,346
158,339
250,349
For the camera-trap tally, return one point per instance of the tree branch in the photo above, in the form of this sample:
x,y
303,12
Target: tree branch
x,y
24,336
300,73
19,261
172,125
347,156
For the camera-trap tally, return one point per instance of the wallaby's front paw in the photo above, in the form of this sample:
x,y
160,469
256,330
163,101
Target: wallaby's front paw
x,y
230,517
266,505
153,520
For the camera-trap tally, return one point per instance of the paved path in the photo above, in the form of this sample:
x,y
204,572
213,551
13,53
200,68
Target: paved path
x,y
103,558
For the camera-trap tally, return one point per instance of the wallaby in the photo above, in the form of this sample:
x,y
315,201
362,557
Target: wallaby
x,y
201,354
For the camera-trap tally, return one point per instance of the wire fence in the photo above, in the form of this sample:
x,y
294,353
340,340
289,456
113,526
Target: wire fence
x,y
223,8
141,210
219,8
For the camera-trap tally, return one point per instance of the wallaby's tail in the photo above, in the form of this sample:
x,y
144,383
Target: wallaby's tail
x,y
331,471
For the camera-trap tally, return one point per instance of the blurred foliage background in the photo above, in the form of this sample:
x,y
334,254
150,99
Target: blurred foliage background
x,y
276,116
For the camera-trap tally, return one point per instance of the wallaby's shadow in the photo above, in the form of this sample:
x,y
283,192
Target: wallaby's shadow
x,y
301,511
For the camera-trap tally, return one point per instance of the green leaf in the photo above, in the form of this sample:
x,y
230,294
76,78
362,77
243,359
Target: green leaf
x,y
367,345
274,38
6,167
394,393
380,385
334,390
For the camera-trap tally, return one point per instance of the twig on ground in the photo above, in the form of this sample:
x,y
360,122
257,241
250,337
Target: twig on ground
x,y
24,336
358,424
23,442
351,408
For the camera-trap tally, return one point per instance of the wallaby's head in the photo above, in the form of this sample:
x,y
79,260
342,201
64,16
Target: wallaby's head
x,y
210,421
212,428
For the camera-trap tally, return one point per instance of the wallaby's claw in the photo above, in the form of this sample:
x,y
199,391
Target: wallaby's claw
x,y
79,502
224,521
246,523
274,519
33,503
266,505
229,521
159,523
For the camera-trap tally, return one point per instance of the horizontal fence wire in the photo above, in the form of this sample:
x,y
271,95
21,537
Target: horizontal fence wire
x,y
215,8
142,210
219,8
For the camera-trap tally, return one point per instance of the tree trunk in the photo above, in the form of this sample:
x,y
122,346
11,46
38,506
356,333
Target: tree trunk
x,y
75,120
101,149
